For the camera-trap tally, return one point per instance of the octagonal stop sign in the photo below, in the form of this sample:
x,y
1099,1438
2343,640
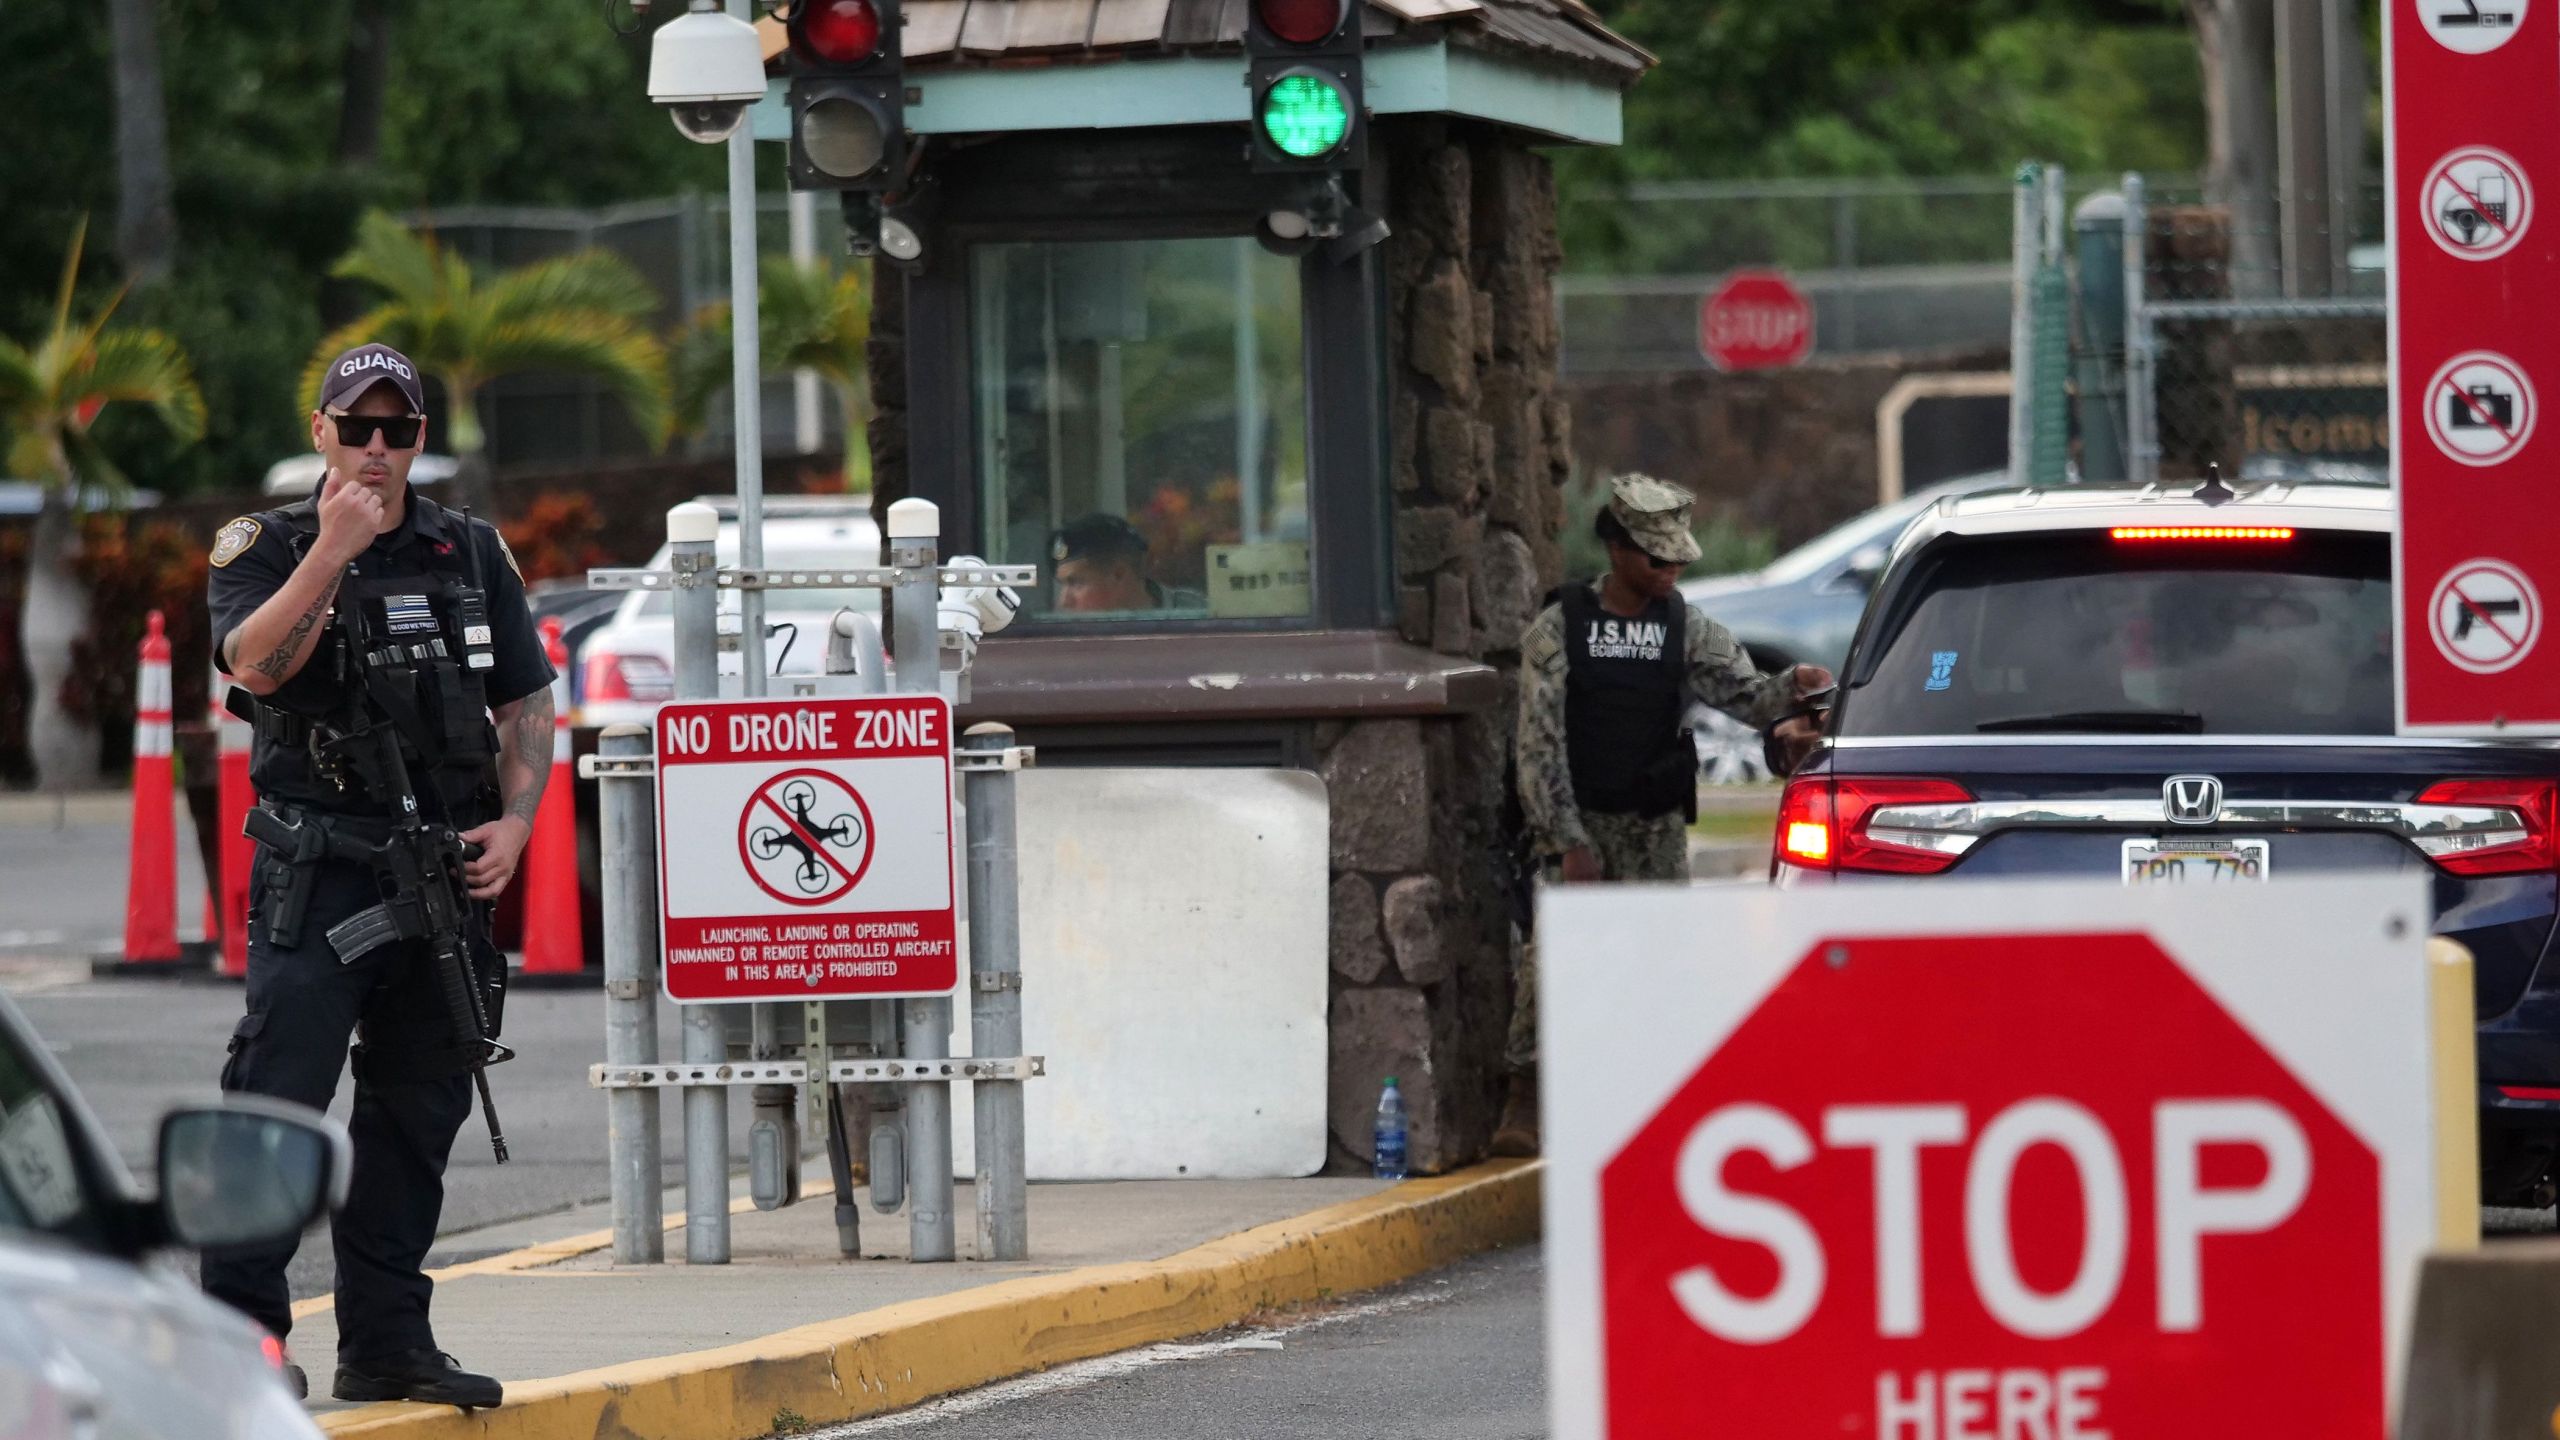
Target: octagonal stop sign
x,y
1755,320
2011,1177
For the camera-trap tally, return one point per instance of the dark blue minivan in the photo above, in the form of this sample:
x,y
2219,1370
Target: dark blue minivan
x,y
2182,689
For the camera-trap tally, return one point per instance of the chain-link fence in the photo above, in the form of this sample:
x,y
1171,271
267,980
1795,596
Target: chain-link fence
x,y
1890,265
2266,350
680,248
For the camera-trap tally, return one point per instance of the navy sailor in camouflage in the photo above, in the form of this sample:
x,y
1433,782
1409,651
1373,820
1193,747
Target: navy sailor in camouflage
x,y
1608,672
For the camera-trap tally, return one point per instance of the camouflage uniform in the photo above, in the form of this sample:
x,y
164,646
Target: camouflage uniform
x,y
1629,847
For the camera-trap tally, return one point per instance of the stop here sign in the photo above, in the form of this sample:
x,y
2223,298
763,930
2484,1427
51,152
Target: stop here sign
x,y
1755,320
2106,1166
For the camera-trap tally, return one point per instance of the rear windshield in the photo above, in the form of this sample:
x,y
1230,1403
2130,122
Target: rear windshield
x,y
2091,635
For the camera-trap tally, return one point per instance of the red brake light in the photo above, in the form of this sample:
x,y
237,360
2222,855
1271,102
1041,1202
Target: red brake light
x,y
2202,532
2529,849
604,677
1822,824
1300,22
838,31
1804,824
628,677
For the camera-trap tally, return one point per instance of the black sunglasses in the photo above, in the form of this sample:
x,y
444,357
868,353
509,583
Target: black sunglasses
x,y
1658,563
398,431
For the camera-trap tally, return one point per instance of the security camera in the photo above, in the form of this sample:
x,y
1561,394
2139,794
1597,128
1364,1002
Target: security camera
x,y
706,68
977,609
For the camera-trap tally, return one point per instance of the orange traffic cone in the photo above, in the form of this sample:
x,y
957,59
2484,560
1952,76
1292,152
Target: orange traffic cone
x,y
151,880
553,941
238,850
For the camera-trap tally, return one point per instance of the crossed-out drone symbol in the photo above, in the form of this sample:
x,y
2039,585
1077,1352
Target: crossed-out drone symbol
x,y
806,837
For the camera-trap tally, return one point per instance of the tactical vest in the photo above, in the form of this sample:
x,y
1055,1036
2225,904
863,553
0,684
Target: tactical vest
x,y
437,700
1626,684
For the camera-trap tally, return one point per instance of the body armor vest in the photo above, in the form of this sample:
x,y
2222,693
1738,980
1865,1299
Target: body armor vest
x,y
1625,683
427,627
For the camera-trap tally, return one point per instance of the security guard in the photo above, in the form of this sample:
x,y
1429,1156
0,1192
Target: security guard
x,y
1608,773
274,578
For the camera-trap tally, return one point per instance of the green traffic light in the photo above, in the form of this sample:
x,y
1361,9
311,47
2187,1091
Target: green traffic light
x,y
1305,115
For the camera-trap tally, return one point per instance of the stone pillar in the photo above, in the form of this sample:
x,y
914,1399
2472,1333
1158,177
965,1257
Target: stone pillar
x,y
1422,947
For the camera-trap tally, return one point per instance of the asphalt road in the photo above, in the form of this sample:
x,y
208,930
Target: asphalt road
x,y
1456,1354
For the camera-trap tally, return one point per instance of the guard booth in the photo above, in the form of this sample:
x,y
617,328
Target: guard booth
x,y
1304,488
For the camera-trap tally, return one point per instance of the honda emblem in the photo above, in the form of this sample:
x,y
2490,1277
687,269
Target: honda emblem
x,y
2192,799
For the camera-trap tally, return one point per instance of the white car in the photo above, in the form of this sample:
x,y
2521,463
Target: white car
x,y
628,664
99,1335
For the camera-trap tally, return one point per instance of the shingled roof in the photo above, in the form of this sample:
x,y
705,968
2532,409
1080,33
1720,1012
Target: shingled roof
x,y
1556,32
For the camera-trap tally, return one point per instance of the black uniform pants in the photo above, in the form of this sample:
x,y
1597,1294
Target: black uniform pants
x,y
304,1007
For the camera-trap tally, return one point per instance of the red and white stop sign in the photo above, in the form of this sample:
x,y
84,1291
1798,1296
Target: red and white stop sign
x,y
1755,320
1901,1173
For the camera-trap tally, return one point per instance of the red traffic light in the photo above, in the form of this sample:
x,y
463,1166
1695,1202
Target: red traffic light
x,y
1301,22
839,32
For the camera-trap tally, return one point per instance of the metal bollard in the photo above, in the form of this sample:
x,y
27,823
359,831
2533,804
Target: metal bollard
x,y
995,1007
915,528
693,531
631,1000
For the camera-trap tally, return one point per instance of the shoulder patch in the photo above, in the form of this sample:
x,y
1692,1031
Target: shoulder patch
x,y
1542,644
233,540
510,555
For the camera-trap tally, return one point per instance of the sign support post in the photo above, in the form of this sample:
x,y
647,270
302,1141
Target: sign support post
x,y
693,532
915,639
995,1004
630,862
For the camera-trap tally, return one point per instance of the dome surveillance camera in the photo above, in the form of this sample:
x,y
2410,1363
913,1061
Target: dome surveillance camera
x,y
706,68
707,122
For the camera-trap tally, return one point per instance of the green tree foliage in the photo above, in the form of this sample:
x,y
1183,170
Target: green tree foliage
x,y
585,313
53,389
488,101
1750,89
815,317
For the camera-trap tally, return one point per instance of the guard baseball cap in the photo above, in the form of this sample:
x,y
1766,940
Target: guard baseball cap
x,y
364,367
1656,514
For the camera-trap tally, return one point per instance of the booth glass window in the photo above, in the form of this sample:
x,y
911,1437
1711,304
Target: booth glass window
x,y
1142,429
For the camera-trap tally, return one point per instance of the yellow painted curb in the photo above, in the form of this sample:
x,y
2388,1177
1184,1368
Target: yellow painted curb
x,y
902,1355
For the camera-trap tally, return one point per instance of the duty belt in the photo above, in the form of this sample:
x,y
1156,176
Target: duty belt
x,y
300,840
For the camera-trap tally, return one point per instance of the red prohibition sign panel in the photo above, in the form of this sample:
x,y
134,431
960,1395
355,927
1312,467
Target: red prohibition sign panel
x,y
2486,616
805,837
2480,408
2478,203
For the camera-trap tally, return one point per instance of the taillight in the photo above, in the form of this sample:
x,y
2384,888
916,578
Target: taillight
x,y
1828,823
628,677
1804,823
2202,532
2525,847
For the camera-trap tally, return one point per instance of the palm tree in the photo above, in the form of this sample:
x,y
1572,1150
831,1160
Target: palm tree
x,y
50,394
809,317
583,314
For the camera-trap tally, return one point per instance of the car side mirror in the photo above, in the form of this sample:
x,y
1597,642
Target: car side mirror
x,y
249,1172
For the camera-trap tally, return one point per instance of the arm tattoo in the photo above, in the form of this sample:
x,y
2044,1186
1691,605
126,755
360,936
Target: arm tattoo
x,y
276,664
533,727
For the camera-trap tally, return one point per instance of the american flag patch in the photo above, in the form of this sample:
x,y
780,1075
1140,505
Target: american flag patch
x,y
408,614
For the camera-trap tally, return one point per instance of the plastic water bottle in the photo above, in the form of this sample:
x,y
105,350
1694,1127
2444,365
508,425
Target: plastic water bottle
x,y
1390,1134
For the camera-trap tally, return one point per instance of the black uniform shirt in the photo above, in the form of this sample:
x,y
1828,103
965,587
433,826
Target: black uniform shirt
x,y
254,555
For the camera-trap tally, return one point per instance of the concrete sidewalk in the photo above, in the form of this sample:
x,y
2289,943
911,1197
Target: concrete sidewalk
x,y
790,1331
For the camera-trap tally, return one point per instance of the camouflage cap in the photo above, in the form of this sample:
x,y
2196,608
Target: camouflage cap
x,y
1656,514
